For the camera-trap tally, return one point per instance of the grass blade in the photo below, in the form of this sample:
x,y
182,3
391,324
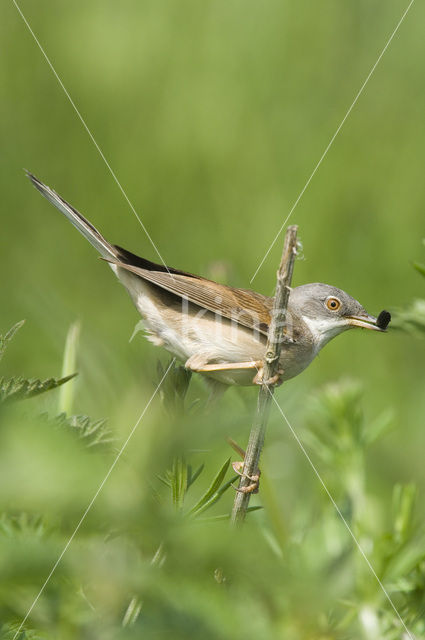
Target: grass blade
x,y
213,488
67,393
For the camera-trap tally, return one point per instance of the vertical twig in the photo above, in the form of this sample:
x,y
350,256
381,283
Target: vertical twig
x,y
271,367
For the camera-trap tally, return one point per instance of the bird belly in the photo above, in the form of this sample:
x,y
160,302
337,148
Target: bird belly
x,y
186,330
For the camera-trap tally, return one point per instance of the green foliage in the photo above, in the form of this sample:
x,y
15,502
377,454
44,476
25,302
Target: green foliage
x,y
4,340
340,435
412,319
22,525
166,584
418,266
175,386
181,477
8,632
132,613
92,432
19,388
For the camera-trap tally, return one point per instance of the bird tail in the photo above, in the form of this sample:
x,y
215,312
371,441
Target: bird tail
x,y
105,249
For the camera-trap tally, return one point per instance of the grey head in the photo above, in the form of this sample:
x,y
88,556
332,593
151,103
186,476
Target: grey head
x,y
327,311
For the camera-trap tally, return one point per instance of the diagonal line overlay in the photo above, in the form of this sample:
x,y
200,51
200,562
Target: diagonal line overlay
x,y
99,489
322,157
338,510
83,122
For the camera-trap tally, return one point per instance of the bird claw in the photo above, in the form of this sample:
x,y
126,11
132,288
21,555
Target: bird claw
x,y
255,479
274,381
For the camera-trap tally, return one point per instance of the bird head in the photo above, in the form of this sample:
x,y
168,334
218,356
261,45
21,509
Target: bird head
x,y
328,311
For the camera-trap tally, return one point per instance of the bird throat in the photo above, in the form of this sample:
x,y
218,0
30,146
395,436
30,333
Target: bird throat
x,y
323,329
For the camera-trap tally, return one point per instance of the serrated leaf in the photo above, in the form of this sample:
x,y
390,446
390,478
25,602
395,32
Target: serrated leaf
x,y
94,432
213,488
21,525
19,388
4,340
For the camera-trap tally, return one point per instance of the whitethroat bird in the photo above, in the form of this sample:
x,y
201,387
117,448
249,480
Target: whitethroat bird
x,y
217,330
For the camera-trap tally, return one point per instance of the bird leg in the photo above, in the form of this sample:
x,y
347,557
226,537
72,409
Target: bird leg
x,y
238,468
199,363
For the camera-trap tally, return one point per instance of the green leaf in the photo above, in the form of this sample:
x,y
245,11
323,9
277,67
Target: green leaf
x,y
213,489
216,496
406,559
22,525
4,340
165,480
179,481
419,267
226,516
19,388
191,478
381,425
10,631
256,508
403,503
94,432
132,613
223,516
411,319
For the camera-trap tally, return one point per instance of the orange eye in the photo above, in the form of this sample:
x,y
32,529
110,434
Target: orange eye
x,y
333,304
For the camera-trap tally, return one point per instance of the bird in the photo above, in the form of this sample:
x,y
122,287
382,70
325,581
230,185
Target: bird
x,y
217,330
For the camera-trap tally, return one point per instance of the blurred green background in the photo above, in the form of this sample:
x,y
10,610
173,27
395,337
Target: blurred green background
x,y
213,116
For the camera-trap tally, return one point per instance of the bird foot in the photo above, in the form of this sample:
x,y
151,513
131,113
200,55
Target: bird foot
x,y
274,381
255,479
238,468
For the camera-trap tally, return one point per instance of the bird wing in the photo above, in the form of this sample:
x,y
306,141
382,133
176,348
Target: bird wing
x,y
245,307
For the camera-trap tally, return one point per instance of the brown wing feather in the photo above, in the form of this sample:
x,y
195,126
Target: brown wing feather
x,y
248,308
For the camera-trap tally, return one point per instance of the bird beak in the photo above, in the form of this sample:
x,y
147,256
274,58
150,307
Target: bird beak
x,y
364,322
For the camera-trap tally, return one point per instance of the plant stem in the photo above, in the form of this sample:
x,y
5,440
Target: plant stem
x,y
67,392
270,369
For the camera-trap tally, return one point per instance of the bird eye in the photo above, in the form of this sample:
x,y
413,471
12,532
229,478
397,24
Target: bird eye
x,y
333,304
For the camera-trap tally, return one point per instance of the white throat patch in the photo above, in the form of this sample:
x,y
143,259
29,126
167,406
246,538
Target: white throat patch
x,y
324,329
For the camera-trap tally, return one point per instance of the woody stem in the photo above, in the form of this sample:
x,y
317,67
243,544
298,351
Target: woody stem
x,y
271,369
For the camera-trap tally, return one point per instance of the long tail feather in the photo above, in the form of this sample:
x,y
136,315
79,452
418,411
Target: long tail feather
x,y
79,221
